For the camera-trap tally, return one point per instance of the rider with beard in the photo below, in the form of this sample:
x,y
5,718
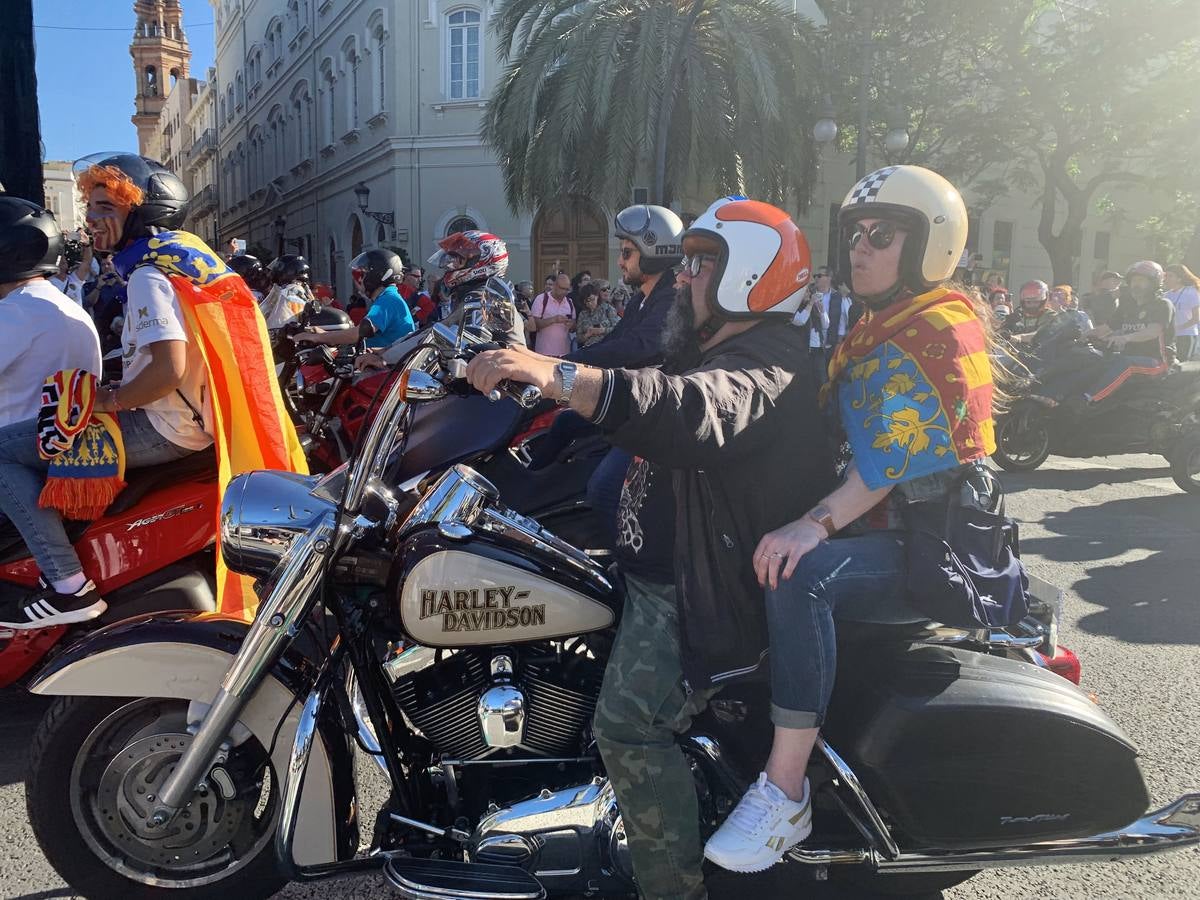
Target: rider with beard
x,y
650,249
733,430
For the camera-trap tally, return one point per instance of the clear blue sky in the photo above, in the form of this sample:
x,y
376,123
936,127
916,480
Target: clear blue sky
x,y
85,74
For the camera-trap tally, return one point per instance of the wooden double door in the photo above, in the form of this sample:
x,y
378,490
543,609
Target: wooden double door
x,y
571,236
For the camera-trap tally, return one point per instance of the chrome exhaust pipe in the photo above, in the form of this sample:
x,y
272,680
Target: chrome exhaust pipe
x,y
1175,826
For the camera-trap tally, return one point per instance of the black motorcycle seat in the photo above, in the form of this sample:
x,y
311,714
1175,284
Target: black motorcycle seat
x,y
138,483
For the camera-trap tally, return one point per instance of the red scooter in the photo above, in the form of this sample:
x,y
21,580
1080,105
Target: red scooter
x,y
151,551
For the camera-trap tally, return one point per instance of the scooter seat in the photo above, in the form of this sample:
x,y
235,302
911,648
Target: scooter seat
x,y
138,483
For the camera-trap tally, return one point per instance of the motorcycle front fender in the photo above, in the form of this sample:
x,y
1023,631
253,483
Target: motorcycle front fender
x,y
186,656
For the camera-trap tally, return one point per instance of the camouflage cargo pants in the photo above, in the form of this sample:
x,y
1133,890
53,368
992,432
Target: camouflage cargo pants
x,y
641,710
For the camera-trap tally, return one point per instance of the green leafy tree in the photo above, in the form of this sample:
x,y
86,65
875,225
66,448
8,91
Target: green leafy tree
x,y
1070,100
681,95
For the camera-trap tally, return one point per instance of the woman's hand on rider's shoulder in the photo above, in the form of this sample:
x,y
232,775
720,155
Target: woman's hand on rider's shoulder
x,y
780,551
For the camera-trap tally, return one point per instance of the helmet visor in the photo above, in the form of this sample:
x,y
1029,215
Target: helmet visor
x,y
633,220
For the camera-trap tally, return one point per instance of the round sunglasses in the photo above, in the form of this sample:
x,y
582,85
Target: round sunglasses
x,y
879,234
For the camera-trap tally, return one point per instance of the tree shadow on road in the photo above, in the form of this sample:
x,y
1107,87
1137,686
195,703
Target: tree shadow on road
x,y
1153,599
1077,479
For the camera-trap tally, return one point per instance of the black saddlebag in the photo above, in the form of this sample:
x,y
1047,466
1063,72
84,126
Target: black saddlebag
x,y
960,749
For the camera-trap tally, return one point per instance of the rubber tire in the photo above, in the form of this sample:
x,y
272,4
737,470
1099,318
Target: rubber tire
x,y
56,742
1007,463
1181,455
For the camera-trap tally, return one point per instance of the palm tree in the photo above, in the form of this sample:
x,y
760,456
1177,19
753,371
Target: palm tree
x,y
682,95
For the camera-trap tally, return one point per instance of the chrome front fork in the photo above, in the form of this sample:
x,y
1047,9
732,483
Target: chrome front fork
x,y
279,618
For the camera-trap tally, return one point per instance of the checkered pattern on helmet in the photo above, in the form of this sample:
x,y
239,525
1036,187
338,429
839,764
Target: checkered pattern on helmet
x,y
867,190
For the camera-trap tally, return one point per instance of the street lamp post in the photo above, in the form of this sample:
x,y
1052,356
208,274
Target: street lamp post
x,y
825,129
363,193
280,225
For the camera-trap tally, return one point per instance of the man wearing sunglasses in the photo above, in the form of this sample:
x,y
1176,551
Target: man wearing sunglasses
x,y
729,444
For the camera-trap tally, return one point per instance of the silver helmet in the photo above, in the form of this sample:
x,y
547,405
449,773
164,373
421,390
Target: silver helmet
x,y
656,232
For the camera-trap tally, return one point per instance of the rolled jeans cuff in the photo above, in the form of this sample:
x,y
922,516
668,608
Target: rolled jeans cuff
x,y
795,718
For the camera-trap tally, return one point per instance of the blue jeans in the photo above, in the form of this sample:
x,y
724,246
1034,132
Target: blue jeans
x,y
23,475
847,577
604,492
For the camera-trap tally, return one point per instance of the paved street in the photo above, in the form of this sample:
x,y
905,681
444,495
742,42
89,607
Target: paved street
x,y
1116,532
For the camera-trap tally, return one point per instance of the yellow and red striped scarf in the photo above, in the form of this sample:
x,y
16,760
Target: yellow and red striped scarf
x,y
251,428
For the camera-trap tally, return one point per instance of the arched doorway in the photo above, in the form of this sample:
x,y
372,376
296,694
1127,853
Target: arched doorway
x,y
333,272
572,236
356,236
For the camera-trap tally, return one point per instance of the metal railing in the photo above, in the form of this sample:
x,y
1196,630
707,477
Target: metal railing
x,y
203,146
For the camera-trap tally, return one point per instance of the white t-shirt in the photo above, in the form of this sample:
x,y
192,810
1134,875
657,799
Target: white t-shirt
x,y
43,332
71,286
1185,300
816,335
843,322
152,314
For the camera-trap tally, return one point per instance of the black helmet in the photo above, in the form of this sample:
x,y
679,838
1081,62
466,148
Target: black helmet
x,y
331,319
245,265
288,268
30,242
376,267
165,200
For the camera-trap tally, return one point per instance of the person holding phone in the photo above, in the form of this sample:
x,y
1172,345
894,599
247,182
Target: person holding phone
x,y
811,317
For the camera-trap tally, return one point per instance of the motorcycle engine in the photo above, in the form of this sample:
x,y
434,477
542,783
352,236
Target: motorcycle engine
x,y
472,704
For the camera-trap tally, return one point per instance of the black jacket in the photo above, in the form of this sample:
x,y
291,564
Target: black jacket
x,y
636,341
746,443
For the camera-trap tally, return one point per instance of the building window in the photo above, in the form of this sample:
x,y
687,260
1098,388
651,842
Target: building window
x,y
229,101
380,68
461,223
463,54
328,124
352,60
151,81
1101,247
1002,238
241,90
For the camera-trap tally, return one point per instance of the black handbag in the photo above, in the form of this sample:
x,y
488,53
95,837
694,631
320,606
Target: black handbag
x,y
964,566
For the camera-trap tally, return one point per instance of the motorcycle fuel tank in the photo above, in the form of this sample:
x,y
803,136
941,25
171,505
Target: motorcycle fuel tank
x,y
476,591
965,750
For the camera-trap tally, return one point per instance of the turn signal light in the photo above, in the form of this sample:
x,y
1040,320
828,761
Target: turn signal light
x,y
1065,663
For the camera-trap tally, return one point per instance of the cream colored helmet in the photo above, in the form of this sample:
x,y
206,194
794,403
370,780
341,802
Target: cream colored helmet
x,y
927,205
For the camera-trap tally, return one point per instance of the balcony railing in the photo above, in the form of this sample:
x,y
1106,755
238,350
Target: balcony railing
x,y
204,200
204,146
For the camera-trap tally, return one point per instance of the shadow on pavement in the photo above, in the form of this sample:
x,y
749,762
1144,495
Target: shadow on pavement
x,y
1152,599
1077,479
20,712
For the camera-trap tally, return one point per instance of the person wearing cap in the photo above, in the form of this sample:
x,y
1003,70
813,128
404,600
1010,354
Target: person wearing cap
x,y
1142,331
1101,304
912,388
727,443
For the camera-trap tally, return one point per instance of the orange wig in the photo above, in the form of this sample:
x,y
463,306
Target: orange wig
x,y
121,189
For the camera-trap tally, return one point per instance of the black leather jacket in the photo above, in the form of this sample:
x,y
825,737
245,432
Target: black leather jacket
x,y
636,341
747,445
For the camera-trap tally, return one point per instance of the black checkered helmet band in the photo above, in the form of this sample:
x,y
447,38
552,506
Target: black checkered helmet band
x,y
928,207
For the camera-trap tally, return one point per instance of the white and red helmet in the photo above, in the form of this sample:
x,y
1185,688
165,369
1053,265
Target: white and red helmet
x,y
470,256
763,259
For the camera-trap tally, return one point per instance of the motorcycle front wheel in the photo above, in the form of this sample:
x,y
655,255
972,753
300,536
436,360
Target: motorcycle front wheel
x,y
97,765
1185,464
1022,443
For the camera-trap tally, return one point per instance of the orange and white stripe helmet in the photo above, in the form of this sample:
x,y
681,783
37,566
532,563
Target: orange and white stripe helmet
x,y
763,261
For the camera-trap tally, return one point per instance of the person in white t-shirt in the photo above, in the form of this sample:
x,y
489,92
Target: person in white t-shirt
x,y
45,331
160,404
71,282
1183,290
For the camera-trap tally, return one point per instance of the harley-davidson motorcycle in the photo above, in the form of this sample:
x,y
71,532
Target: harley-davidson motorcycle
x,y
196,755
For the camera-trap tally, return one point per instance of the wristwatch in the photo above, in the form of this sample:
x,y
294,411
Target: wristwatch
x,y
566,376
821,515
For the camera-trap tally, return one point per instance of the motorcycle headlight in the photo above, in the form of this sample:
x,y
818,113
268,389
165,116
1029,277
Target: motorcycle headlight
x,y
261,514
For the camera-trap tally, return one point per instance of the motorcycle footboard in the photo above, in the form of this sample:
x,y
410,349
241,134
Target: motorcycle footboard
x,y
436,879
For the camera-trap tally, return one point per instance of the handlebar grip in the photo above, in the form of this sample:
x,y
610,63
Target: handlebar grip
x,y
525,395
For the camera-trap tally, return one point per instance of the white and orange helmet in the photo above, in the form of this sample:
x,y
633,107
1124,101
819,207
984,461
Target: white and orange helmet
x,y
763,259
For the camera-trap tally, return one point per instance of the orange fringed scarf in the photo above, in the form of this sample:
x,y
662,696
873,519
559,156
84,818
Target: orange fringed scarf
x,y
84,448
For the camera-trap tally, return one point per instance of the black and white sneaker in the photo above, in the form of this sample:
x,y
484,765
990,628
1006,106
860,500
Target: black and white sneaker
x,y
47,607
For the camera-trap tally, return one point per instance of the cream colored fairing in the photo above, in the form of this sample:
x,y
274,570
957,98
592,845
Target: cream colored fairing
x,y
457,599
191,672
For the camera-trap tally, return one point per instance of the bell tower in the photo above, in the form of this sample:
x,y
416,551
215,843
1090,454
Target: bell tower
x,y
160,58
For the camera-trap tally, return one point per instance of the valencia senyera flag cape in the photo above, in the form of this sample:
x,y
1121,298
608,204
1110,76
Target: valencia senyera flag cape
x,y
251,428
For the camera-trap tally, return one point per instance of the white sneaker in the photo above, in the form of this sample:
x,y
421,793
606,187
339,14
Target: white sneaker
x,y
762,827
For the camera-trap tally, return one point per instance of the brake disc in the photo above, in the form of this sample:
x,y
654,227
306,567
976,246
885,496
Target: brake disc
x,y
128,792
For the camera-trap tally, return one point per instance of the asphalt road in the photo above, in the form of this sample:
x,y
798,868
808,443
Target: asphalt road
x,y
1116,532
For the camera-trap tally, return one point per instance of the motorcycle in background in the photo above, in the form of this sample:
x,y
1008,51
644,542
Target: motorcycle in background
x,y
202,754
